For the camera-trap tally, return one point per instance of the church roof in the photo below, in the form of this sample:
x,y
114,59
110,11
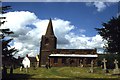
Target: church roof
x,y
74,49
72,55
49,29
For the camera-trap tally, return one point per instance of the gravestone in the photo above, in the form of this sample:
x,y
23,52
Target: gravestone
x,y
92,66
104,65
81,65
47,65
116,70
84,62
21,67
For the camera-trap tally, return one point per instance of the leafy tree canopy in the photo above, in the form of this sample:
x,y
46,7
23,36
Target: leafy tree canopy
x,y
111,33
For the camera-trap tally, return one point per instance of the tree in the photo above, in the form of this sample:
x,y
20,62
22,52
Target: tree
x,y
7,51
111,33
4,8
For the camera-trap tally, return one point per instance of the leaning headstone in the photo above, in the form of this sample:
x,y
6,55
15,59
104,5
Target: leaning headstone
x,y
116,70
104,65
91,68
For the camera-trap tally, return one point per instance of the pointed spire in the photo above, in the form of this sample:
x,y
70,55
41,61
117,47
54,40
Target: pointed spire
x,y
50,28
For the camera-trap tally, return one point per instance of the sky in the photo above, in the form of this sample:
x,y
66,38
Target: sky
x,y
73,24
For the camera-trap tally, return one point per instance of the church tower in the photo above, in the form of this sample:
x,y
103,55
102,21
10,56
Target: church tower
x,y
48,43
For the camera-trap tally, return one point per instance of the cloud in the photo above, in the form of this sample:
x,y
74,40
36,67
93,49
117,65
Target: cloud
x,y
100,5
28,29
83,42
82,30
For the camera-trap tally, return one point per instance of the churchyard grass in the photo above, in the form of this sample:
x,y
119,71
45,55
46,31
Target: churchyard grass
x,y
64,72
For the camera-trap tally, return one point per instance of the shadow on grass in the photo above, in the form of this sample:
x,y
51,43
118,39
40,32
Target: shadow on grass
x,y
16,77
116,77
115,74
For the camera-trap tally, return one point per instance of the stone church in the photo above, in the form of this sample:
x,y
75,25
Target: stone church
x,y
52,56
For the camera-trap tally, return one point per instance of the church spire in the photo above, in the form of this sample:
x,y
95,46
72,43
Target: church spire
x,y
49,29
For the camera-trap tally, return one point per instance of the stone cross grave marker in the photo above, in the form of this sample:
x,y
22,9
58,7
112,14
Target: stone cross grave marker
x,y
116,70
104,63
116,64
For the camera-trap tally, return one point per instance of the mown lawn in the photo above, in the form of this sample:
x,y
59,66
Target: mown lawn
x,y
64,73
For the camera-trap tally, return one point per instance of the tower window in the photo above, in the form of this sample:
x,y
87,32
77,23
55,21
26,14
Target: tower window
x,y
46,41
